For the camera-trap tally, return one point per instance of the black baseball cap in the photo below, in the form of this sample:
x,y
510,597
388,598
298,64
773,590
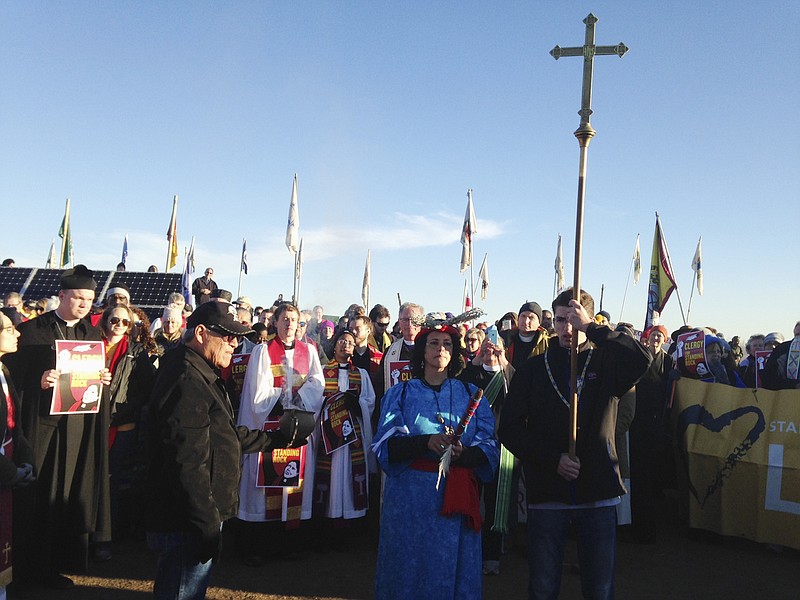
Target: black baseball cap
x,y
220,317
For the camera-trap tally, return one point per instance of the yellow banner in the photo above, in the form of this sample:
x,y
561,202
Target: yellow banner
x,y
738,453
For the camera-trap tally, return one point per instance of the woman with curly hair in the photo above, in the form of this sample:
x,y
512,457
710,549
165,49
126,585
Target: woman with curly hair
x,y
430,543
132,376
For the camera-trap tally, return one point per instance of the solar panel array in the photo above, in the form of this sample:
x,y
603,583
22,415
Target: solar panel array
x,y
149,291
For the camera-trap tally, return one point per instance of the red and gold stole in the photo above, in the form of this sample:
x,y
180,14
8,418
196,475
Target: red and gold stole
x,y
358,464
300,365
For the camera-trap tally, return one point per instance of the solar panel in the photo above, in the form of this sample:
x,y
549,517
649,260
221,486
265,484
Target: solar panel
x,y
12,279
149,291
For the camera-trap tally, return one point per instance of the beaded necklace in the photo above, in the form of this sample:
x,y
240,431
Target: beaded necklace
x,y
580,379
448,429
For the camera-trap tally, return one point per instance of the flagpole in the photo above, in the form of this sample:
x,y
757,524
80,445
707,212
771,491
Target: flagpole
x,y
625,294
294,285
241,271
689,310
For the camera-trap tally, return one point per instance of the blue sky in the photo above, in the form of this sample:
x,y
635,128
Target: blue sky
x,y
388,113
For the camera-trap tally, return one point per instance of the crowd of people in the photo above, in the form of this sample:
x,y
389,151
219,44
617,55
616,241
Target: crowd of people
x,y
290,428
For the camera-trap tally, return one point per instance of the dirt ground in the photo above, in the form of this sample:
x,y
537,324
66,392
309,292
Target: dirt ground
x,y
678,566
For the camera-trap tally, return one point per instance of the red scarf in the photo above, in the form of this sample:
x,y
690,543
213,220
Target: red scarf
x,y
461,496
119,352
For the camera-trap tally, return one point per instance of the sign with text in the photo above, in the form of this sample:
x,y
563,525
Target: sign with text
x,y
738,453
79,388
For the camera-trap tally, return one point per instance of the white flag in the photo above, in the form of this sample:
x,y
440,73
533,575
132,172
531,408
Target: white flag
x,y
637,262
483,275
293,225
697,266
365,284
559,266
469,229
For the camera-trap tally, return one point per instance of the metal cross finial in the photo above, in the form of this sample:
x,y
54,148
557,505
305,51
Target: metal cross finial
x,y
589,50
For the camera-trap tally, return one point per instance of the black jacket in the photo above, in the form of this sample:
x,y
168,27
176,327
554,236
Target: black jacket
x,y
535,423
131,385
71,495
195,449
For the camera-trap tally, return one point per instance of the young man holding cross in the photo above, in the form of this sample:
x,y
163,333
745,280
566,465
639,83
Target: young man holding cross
x,y
583,489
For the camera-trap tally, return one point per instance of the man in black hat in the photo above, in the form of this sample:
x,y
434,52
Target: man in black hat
x,y
530,339
54,519
196,452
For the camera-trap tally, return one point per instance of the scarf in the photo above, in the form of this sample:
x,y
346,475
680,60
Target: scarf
x,y
358,464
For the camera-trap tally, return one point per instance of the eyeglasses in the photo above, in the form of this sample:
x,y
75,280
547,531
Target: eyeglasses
x,y
233,340
116,320
301,324
379,324
346,343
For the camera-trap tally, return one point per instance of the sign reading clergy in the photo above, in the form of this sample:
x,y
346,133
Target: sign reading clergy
x,y
79,387
691,354
739,460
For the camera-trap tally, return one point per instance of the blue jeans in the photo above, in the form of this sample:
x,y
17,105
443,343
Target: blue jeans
x,y
179,575
597,540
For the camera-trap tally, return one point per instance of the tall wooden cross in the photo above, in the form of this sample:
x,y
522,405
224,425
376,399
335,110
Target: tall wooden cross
x,y
584,133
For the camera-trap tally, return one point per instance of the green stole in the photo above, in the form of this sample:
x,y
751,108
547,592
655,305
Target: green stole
x,y
506,470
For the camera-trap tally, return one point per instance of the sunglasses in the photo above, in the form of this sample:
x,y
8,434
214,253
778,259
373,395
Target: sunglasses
x,y
379,324
234,340
116,320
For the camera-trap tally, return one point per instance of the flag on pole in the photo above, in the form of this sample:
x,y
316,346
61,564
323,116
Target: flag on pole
x,y
662,280
298,266
465,302
483,275
188,270
637,262
559,266
243,267
697,267
469,229
365,283
124,260
52,258
172,236
66,240
293,225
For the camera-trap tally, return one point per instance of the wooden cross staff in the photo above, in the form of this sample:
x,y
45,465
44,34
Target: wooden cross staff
x,y
584,133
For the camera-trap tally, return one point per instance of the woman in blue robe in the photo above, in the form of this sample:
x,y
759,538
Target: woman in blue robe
x,y
422,553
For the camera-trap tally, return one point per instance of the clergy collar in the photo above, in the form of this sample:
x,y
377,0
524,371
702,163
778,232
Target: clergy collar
x,y
71,323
